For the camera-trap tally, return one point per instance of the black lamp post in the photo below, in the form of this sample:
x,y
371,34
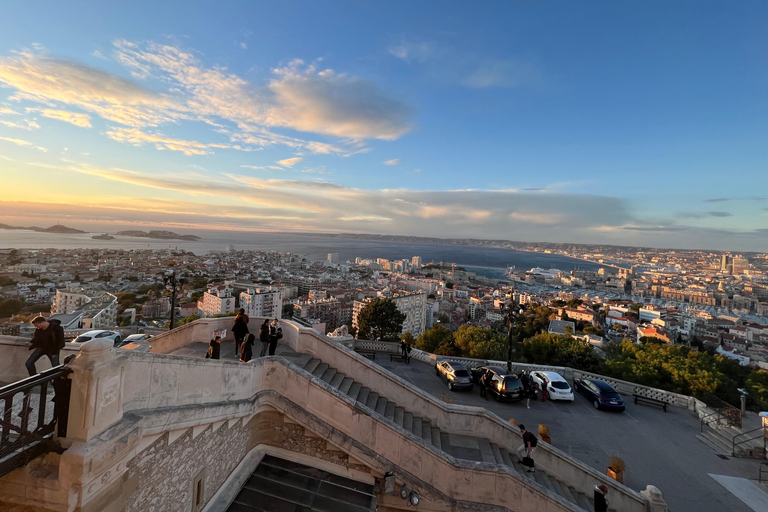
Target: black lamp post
x,y
173,285
511,322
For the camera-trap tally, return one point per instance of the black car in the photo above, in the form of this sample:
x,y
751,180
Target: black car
x,y
504,384
456,374
601,394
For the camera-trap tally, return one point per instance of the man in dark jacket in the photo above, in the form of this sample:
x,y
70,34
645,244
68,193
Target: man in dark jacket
x,y
240,329
47,341
601,504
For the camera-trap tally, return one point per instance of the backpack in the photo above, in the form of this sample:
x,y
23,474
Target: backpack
x,y
279,333
409,349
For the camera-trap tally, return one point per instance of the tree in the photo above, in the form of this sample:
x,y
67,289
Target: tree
x,y
431,339
380,319
199,282
6,281
288,311
10,307
408,338
480,342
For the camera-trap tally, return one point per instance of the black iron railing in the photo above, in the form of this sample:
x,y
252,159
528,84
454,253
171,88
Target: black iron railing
x,y
751,435
31,410
725,413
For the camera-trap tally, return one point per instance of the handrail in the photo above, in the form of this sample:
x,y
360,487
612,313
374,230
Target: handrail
x,y
763,434
704,422
35,380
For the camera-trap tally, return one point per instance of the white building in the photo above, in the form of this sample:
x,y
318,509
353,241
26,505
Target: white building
x,y
98,308
264,302
413,305
212,304
333,258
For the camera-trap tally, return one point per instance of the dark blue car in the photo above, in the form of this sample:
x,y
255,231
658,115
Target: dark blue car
x,y
601,394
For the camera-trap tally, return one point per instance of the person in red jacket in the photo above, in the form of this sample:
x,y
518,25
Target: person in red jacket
x,y
48,340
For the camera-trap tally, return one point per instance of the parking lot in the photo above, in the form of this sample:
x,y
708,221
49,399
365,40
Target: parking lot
x,y
659,448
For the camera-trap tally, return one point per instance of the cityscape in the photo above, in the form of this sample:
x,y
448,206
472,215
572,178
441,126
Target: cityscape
x,y
375,257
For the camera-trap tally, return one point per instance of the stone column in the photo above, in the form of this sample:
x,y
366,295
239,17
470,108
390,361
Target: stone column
x,y
656,501
96,401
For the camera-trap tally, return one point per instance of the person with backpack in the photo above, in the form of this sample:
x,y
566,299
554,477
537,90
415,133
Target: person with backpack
x,y
264,337
525,450
240,329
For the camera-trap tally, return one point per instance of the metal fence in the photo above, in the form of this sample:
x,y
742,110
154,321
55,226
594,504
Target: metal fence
x,y
31,410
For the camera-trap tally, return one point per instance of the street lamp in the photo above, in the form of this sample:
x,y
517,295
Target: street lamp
x,y
511,323
173,285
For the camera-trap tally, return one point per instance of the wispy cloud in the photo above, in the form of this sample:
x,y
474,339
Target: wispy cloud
x,y
290,162
410,51
23,143
393,161
703,215
263,167
75,118
22,124
503,73
740,198
188,147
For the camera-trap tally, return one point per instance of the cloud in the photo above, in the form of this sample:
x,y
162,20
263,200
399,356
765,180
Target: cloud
x,y
393,161
24,143
503,73
243,46
188,147
23,124
263,167
703,215
290,162
741,198
417,170
8,111
412,51
315,171
77,119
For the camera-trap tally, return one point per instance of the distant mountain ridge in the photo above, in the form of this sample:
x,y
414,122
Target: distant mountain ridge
x,y
158,235
58,228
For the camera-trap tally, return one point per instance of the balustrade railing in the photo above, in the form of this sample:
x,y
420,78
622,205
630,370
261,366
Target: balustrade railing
x,y
31,410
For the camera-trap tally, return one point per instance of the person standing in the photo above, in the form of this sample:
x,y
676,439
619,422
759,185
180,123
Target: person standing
x,y
246,349
601,504
275,333
264,337
240,329
484,384
526,449
48,340
214,348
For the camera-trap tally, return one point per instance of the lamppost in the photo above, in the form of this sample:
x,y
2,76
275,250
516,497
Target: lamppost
x,y
511,323
173,285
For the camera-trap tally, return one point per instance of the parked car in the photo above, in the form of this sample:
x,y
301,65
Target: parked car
x,y
134,337
456,374
556,386
505,385
91,335
601,394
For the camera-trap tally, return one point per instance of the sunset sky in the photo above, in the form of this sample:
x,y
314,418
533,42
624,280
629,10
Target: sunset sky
x,y
639,123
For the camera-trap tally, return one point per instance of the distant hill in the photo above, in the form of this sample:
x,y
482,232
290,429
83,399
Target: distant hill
x,y
58,228
158,235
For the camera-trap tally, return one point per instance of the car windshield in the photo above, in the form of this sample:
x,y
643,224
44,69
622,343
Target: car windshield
x,y
81,339
560,385
510,384
611,394
461,373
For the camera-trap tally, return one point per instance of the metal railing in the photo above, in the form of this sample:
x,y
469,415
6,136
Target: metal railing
x,y
724,410
31,410
763,434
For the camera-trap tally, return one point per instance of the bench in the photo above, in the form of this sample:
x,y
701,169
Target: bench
x,y
370,354
399,357
651,401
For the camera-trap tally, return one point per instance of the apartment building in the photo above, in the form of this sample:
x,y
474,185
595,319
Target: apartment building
x,y
262,302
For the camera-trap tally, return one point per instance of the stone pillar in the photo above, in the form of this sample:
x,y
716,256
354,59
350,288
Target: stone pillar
x,y
96,401
656,501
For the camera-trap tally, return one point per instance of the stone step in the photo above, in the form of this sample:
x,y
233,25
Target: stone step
x,y
345,385
565,492
507,459
320,370
557,486
398,419
408,421
337,380
363,396
328,375
416,429
426,431
381,405
373,397
389,411
354,390
301,360
497,453
485,450
718,443
312,364
542,478
581,500
436,439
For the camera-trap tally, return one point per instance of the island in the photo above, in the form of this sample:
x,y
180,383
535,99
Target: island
x,y
105,236
158,235
58,228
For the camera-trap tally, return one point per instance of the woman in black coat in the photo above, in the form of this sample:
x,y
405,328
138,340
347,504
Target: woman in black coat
x,y
240,329
246,349
264,338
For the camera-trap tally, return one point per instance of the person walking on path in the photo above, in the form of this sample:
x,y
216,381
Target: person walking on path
x,y
484,384
601,504
240,329
264,337
526,449
275,333
214,348
48,340
246,349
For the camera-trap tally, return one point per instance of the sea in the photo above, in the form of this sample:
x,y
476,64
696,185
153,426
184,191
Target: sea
x,y
485,261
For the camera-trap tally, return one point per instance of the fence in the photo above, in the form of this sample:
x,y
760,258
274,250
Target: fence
x,y
28,418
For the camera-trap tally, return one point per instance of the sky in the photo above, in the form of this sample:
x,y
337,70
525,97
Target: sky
x,y
629,123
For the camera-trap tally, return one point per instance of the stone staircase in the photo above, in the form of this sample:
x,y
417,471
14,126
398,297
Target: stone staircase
x,y
462,447
720,438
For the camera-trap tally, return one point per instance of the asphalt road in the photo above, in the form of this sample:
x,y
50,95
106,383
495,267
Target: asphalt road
x,y
659,448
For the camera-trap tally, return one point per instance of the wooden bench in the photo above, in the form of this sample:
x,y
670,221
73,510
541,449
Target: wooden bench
x,y
399,357
370,354
651,401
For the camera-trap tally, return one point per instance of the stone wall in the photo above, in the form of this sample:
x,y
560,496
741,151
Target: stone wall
x,y
162,474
